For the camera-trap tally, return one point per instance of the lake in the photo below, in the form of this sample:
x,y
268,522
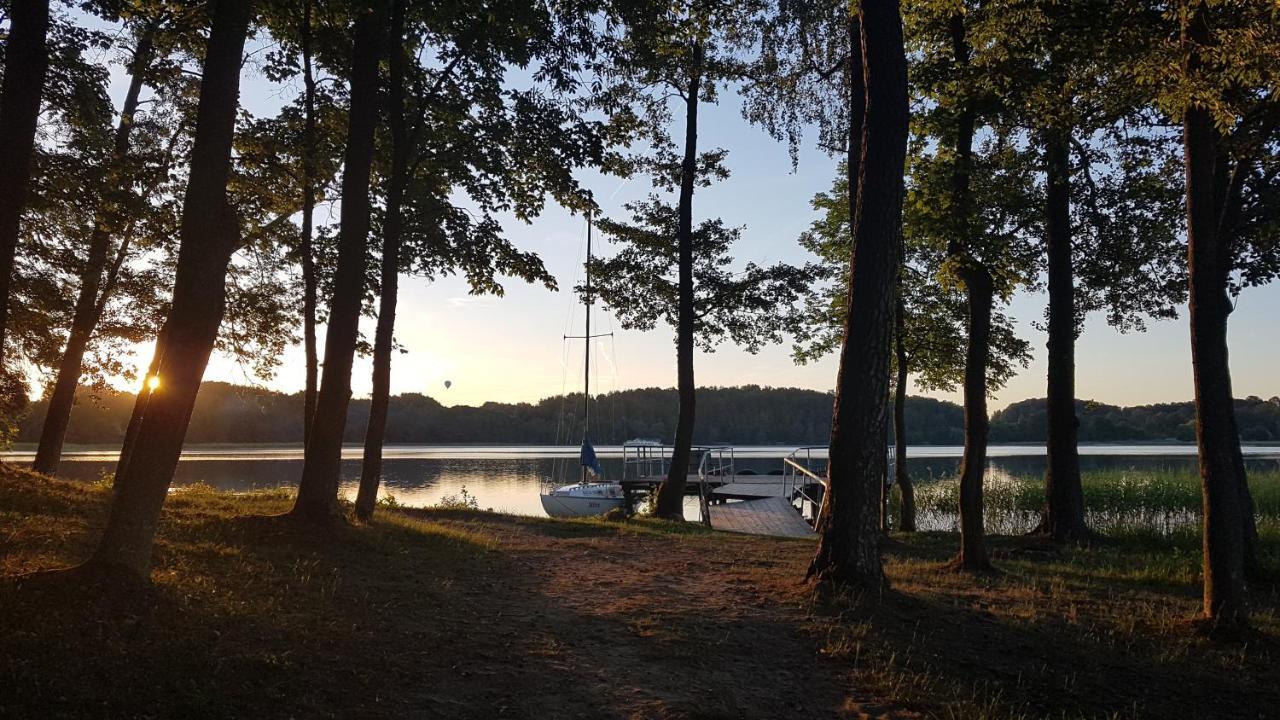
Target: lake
x,y
507,478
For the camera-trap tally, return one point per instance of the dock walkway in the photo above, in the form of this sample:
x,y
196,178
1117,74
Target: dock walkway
x,y
744,503
766,516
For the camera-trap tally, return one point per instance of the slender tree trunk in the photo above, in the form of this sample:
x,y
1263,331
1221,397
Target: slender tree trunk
x,y
849,539
208,236
907,508
308,225
1064,496
375,431
318,490
94,291
26,58
670,496
973,544
979,298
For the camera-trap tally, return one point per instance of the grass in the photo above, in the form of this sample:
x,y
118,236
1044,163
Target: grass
x,y
464,614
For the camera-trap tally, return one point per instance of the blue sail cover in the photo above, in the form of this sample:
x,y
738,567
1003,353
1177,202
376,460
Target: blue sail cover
x,y
589,459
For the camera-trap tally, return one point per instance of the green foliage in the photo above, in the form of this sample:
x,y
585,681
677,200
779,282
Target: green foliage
x,y
1232,72
462,501
751,306
934,332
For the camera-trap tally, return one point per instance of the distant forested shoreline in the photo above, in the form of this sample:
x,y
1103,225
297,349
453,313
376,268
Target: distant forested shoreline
x,y
749,414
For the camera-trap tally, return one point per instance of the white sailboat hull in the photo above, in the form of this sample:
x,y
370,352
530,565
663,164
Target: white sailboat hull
x,y
583,500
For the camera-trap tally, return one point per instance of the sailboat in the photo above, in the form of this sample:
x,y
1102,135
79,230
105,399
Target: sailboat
x,y
592,494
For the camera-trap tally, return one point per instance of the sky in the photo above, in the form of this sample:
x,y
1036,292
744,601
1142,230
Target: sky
x,y
511,348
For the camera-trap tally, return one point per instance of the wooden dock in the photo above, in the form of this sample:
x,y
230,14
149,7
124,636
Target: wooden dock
x,y
743,503
773,516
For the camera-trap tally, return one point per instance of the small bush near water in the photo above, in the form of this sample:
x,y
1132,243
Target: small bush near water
x,y
1164,501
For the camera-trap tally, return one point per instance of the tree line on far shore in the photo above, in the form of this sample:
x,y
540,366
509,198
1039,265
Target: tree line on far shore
x,y
745,415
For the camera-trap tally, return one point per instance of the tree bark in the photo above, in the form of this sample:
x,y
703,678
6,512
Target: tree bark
x,y
670,496
849,538
1064,495
907,490
94,291
208,236
1208,261
973,544
979,294
26,59
375,431
318,490
308,225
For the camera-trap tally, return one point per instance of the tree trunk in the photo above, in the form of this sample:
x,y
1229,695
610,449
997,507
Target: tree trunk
x,y
375,431
318,489
93,291
308,225
26,58
907,507
1208,261
849,539
139,407
208,236
670,496
973,545
1064,496
979,294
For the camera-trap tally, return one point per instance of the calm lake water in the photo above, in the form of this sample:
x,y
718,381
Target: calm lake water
x,y
506,478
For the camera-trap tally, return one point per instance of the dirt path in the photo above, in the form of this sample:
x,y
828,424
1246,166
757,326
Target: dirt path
x,y
637,626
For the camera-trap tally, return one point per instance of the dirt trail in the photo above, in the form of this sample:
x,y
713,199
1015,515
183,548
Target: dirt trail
x,y
664,627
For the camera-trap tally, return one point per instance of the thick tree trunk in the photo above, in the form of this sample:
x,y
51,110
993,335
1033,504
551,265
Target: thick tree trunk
x,y
849,539
308,225
26,58
907,490
1064,496
973,544
94,291
318,490
139,407
375,431
670,496
1208,261
1220,471
208,236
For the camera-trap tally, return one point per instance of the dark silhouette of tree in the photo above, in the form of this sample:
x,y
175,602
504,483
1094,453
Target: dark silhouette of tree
x,y
969,196
458,126
929,319
1224,97
318,489
689,52
26,57
97,279
848,527
209,235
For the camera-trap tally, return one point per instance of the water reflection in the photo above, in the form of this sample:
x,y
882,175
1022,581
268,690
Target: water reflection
x,y
507,479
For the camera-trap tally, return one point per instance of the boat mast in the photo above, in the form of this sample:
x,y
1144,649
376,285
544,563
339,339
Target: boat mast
x,y
586,365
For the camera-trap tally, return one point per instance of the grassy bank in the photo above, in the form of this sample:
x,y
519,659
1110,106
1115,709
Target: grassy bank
x,y
461,614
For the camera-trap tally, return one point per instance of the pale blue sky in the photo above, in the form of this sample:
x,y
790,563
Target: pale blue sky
x,y
510,349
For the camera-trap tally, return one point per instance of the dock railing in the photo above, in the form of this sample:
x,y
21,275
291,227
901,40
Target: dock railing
x,y
712,464
643,459
799,475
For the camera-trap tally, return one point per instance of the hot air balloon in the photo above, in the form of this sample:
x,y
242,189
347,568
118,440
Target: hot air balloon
x,y
448,384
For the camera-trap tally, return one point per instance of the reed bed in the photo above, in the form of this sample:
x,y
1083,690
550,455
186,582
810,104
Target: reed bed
x,y
1164,501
